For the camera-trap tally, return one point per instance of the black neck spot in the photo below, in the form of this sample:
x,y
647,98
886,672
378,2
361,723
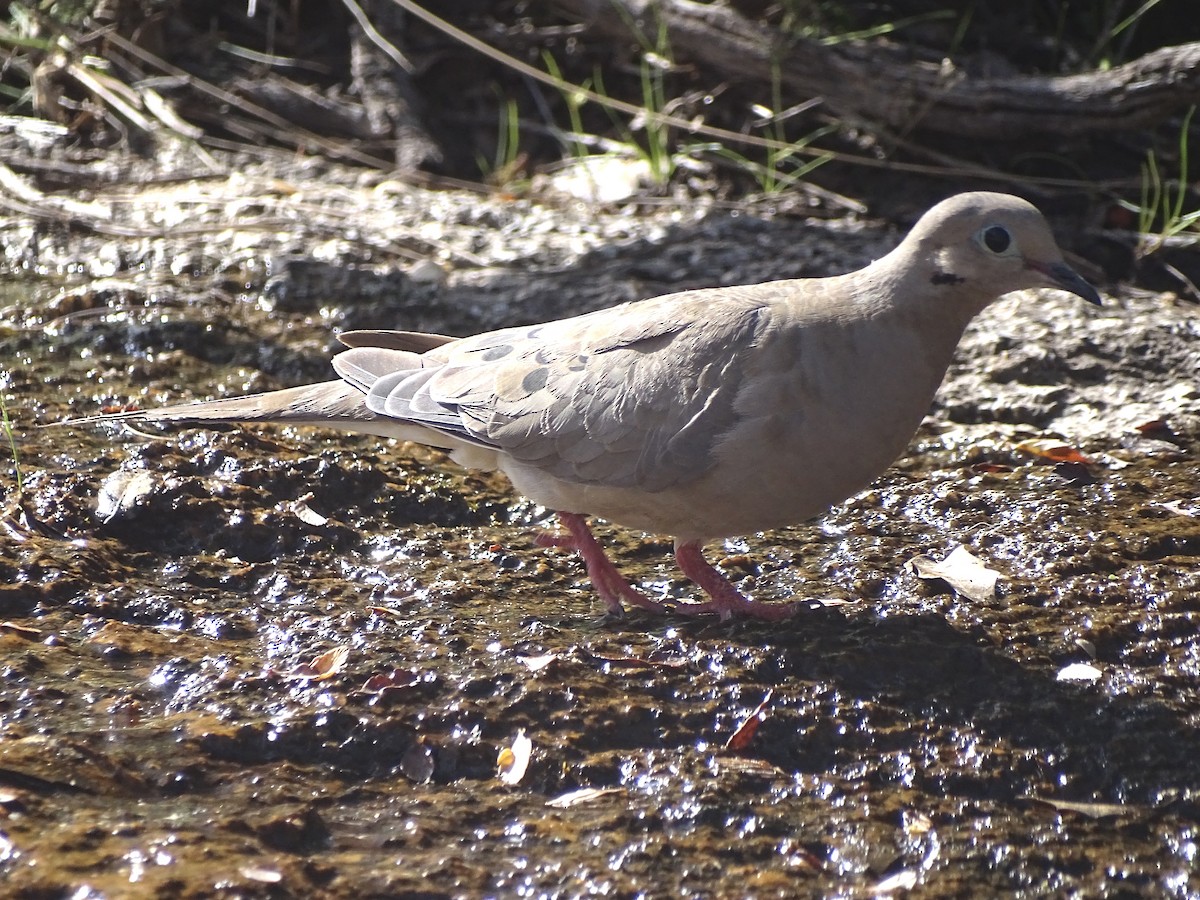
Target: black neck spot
x,y
946,278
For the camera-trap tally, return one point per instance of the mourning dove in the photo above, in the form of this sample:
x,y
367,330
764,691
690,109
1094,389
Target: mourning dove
x,y
702,414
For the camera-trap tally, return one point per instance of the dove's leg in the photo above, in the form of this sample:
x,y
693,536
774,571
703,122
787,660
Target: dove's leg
x,y
726,600
608,582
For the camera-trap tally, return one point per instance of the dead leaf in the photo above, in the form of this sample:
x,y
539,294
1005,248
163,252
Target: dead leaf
x,y
1177,507
829,603
397,678
636,662
537,663
1154,426
1083,808
1053,450
1079,672
749,766
608,178
513,761
21,631
964,572
325,666
917,823
988,467
11,803
261,875
744,733
581,796
904,880
306,513
376,610
123,491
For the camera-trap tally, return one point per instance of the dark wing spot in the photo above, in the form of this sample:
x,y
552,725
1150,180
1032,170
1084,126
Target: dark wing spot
x,y
946,278
578,364
497,352
535,380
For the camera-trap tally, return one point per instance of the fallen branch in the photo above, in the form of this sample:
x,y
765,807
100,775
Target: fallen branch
x,y
882,84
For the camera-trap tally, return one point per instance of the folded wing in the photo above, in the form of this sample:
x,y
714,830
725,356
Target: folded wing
x,y
633,396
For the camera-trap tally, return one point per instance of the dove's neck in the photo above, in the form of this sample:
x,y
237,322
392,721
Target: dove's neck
x,y
914,294
902,328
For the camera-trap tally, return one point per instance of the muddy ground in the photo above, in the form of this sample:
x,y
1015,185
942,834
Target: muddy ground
x,y
177,718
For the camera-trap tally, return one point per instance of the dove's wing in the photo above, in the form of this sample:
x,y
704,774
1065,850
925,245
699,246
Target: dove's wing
x,y
634,396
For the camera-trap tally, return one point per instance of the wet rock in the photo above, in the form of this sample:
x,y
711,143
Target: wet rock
x,y
301,832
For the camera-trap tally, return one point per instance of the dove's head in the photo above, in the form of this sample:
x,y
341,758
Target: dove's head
x,y
981,245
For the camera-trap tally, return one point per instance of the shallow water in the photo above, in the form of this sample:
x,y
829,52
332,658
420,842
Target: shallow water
x,y
167,601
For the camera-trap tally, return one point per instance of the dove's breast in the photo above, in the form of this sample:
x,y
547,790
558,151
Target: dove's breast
x,y
821,412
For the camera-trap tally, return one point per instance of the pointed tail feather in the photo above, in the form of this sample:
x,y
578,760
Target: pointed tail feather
x,y
331,403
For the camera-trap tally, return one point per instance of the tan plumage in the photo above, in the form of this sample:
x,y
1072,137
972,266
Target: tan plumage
x,y
701,414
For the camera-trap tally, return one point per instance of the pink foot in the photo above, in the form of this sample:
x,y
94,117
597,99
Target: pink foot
x,y
605,578
725,599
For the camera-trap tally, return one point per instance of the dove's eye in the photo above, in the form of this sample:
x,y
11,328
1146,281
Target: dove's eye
x,y
997,239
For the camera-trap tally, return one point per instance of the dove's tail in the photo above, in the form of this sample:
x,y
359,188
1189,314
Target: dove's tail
x,y
341,404
330,404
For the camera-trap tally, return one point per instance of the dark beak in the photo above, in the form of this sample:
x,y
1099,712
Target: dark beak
x,y
1063,276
